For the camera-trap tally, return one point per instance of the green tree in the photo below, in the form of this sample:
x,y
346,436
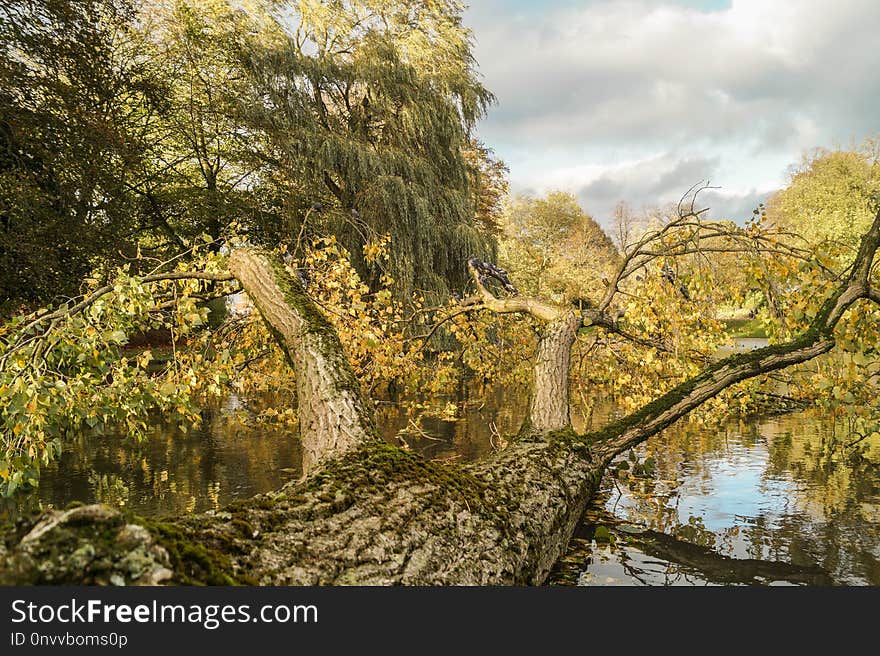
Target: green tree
x,y
72,90
553,247
137,125
367,108
828,197
197,176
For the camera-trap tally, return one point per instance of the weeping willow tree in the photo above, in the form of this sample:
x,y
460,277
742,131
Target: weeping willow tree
x,y
366,107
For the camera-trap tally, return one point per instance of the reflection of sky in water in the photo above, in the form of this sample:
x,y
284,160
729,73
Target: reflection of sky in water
x,y
736,491
727,492
775,489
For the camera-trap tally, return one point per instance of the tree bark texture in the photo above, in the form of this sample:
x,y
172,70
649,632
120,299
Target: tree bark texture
x,y
333,415
549,405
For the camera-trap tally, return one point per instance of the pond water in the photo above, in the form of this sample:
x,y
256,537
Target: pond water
x,y
772,501
171,471
768,501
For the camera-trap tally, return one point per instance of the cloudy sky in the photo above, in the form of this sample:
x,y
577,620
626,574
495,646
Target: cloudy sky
x,y
637,100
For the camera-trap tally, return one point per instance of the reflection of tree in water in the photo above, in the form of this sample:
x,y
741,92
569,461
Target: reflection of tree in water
x,y
813,503
169,471
694,532
109,489
608,551
465,434
838,515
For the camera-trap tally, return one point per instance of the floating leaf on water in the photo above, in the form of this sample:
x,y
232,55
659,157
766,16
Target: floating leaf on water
x,y
631,528
601,534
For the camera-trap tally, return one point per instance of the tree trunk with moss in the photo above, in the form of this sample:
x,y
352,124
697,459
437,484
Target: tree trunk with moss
x,y
333,415
371,513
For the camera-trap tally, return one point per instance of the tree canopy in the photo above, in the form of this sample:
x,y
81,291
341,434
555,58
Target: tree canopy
x,y
368,107
554,247
829,195
143,124
72,94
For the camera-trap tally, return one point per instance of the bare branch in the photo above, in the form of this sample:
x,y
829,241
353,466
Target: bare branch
x,y
687,234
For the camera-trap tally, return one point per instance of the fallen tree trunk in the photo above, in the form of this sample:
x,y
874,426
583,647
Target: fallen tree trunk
x,y
371,513
377,515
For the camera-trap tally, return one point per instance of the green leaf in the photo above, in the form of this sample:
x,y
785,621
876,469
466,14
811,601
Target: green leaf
x,y
118,336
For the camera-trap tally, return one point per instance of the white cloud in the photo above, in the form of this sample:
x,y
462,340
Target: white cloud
x,y
633,96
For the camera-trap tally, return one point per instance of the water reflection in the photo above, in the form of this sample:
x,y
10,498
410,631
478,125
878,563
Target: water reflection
x,y
478,419
172,471
773,501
